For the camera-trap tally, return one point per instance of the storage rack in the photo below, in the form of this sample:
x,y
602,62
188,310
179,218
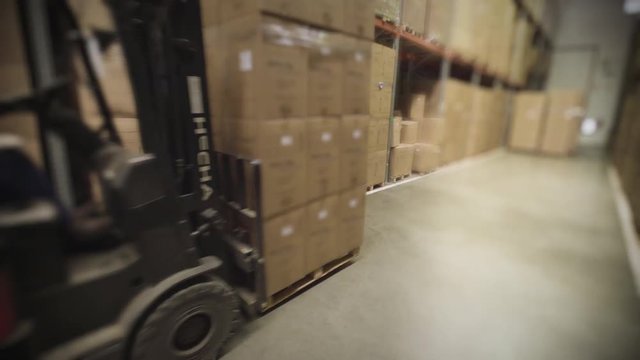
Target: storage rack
x,y
447,62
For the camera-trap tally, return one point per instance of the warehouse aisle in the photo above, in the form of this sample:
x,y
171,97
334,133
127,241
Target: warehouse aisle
x,y
516,257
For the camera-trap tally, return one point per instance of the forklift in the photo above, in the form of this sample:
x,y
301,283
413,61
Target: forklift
x,y
147,274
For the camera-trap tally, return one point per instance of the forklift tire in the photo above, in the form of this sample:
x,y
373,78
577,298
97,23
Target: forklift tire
x,y
191,324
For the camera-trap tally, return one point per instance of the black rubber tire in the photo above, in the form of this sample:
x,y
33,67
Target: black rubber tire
x,y
214,299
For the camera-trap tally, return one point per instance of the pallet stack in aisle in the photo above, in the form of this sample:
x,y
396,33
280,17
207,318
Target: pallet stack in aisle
x,y
289,88
547,122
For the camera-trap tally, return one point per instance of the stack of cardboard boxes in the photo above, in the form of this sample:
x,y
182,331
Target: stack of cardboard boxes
x,y
383,65
295,95
547,122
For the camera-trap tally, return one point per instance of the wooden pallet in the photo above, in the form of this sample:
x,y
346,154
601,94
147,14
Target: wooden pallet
x,y
386,19
309,280
374,186
409,30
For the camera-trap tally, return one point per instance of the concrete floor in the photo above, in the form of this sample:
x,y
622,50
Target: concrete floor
x,y
514,257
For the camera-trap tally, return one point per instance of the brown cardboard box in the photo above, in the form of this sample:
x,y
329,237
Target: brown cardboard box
x,y
353,133
326,68
562,124
230,10
358,18
357,62
271,139
326,13
401,160
409,132
114,79
526,125
323,135
463,35
92,14
439,18
383,64
323,175
397,131
426,158
479,124
266,68
284,184
376,167
322,225
457,111
25,126
210,12
351,207
14,70
353,169
388,9
414,14
415,106
378,134
431,130
283,250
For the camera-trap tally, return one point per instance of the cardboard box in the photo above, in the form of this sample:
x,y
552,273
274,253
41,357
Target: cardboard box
x,y
529,111
283,246
383,66
25,126
409,132
376,167
401,160
266,69
463,35
323,175
14,70
378,134
353,169
388,10
326,13
284,185
323,135
326,67
397,131
210,12
479,124
414,14
415,106
351,207
431,130
426,158
353,133
562,124
457,112
322,224
230,10
357,63
358,18
270,139
114,79
92,14
439,19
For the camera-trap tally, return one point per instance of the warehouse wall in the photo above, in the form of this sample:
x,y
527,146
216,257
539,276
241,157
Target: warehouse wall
x,y
601,30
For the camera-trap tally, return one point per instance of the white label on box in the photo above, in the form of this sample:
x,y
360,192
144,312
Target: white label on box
x,y
357,134
322,214
353,203
325,50
358,56
326,136
246,60
286,140
287,231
